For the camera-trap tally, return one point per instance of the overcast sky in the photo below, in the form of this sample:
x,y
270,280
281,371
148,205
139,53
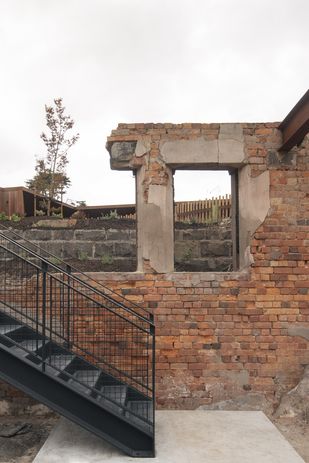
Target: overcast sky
x,y
142,61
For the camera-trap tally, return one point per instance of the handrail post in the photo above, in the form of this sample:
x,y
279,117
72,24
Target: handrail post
x,y
69,269
37,302
44,271
153,367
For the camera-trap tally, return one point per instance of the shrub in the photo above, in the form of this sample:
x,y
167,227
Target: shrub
x,y
82,255
3,216
39,212
107,259
15,218
112,215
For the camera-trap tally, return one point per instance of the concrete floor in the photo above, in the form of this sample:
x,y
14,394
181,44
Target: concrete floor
x,y
181,437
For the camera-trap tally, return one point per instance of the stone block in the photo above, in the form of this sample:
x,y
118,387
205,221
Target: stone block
x,y
123,265
223,264
194,234
194,265
178,235
63,235
143,146
103,249
121,154
225,233
90,235
125,249
132,235
37,235
55,223
231,144
211,232
186,250
54,248
190,152
276,159
117,235
72,250
216,248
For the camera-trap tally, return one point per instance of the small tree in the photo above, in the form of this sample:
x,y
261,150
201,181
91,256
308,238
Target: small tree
x,y
50,178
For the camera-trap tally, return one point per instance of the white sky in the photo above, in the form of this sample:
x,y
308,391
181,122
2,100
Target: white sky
x,y
142,61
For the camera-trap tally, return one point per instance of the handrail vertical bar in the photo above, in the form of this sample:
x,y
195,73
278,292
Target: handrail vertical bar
x,y
44,270
68,269
50,325
37,304
153,361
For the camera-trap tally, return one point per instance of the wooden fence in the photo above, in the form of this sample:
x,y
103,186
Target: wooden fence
x,y
20,200
204,211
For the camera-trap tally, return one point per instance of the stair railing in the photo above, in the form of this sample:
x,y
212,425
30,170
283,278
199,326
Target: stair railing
x,y
69,313
62,265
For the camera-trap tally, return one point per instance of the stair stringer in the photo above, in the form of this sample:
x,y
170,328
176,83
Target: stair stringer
x,y
69,403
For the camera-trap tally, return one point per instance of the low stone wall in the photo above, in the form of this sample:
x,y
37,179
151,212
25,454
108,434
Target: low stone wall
x,y
107,248
203,248
101,245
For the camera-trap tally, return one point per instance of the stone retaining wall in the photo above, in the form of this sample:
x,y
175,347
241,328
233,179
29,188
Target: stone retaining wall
x,y
197,247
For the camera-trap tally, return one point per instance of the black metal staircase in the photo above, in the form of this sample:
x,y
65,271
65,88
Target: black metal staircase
x,y
76,346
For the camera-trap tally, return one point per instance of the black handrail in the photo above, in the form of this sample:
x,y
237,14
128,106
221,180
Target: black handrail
x,y
64,309
75,269
45,265
79,280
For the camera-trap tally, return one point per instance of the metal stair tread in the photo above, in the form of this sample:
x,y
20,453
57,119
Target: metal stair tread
x,y
20,351
4,329
117,393
140,407
88,377
59,362
113,395
31,344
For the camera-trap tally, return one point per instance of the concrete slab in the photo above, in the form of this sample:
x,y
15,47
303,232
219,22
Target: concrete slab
x,y
182,437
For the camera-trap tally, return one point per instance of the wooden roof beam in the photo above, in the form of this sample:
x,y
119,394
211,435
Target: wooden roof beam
x,y
296,124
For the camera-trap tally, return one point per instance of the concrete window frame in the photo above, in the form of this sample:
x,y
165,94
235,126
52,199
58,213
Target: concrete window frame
x,y
155,153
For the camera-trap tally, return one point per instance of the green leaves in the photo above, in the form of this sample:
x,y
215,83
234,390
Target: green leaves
x,y
50,178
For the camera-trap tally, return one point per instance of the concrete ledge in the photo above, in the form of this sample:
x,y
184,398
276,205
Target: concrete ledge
x,y
182,437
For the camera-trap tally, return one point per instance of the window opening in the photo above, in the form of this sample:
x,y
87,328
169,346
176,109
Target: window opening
x,y
205,220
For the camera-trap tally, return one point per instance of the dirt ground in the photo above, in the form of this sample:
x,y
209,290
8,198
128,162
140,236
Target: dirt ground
x,y
296,431
22,448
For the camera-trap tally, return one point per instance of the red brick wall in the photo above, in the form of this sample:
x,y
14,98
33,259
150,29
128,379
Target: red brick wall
x,y
219,335
223,334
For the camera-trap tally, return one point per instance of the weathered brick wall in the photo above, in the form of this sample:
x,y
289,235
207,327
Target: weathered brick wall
x,y
223,334
219,335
